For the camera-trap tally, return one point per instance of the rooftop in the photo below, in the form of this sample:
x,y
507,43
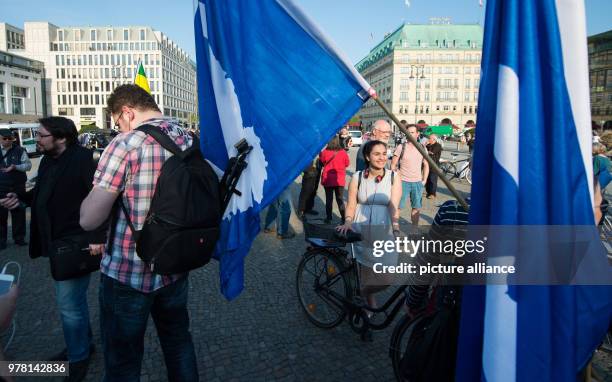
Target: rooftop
x,y
426,37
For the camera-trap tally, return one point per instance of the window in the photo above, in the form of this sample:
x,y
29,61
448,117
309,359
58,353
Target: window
x,y
466,96
404,96
19,94
142,34
109,34
60,35
2,99
467,83
404,84
77,34
88,111
126,34
92,35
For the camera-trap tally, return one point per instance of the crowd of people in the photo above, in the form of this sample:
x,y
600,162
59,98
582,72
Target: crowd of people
x,y
73,212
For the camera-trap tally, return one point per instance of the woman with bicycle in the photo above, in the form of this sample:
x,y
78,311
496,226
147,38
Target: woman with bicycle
x,y
372,210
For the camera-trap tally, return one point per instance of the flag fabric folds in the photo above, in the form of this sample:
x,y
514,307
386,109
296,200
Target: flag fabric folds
x,y
532,166
267,74
141,78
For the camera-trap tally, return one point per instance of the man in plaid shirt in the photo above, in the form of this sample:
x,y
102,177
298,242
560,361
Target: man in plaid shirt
x,y
129,291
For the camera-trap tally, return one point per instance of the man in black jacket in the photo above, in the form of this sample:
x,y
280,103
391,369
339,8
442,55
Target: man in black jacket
x,y
13,167
64,179
434,149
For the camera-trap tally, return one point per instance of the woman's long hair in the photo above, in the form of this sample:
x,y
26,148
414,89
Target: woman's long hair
x,y
334,144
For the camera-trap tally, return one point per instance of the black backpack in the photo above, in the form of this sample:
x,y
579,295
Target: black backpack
x,y
182,226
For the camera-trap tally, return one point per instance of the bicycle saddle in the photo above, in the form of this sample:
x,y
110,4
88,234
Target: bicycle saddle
x,y
348,237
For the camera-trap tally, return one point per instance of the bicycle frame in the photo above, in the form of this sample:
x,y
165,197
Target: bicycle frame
x,y
356,306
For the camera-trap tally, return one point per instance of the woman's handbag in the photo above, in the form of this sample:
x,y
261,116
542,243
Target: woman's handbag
x,y
70,258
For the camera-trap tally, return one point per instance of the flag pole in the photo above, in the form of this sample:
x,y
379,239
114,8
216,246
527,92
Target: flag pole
x,y
432,164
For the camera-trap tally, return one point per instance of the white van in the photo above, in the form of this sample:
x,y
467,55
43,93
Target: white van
x,y
25,133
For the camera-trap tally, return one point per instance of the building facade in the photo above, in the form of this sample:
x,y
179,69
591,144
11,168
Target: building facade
x,y
84,64
22,93
425,73
600,73
11,37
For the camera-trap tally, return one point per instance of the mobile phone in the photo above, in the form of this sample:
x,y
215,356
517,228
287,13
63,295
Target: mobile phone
x,y
6,281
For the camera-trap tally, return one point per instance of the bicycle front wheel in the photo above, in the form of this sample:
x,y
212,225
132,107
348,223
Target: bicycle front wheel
x,y
320,281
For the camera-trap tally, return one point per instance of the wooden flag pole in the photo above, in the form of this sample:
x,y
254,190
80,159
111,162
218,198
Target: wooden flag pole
x,y
432,165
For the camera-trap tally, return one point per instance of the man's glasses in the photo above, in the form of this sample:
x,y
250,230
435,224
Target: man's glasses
x,y
116,125
39,135
7,138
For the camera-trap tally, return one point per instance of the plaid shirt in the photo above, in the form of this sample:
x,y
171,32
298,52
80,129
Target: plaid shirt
x,y
131,164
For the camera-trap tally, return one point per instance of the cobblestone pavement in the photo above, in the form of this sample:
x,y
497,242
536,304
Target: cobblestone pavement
x,y
262,335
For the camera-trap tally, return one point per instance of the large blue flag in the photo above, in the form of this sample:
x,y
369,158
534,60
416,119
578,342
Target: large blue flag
x,y
266,74
533,166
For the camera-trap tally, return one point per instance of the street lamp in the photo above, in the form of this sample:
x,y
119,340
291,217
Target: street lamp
x,y
419,70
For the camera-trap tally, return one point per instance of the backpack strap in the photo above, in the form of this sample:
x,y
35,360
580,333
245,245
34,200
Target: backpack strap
x,y
359,181
135,233
399,162
161,138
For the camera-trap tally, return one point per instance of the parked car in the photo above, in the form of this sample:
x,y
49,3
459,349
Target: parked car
x,y
25,134
356,137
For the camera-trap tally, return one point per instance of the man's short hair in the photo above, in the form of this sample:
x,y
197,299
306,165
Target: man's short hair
x,y
382,125
132,96
61,127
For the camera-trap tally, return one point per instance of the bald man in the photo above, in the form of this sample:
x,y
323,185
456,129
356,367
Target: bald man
x,y
381,131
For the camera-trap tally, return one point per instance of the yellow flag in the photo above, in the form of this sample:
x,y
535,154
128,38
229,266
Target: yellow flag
x,y
141,79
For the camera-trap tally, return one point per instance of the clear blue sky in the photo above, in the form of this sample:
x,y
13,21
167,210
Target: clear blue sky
x,y
350,23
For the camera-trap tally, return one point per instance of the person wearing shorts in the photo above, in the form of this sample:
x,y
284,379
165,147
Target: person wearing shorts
x,y
413,170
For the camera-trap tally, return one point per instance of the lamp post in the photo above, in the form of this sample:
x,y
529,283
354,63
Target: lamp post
x,y
418,72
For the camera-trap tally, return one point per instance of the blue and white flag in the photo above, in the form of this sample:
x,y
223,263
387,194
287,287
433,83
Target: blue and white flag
x,y
267,74
533,166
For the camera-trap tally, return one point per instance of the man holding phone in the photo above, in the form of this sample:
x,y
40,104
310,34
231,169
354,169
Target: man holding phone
x,y
13,167
64,179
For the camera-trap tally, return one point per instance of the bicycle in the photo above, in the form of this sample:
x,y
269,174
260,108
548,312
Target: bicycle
x,y
449,168
328,284
418,324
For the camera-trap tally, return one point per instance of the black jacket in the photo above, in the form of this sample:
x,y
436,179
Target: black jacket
x,y
62,185
435,151
13,181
